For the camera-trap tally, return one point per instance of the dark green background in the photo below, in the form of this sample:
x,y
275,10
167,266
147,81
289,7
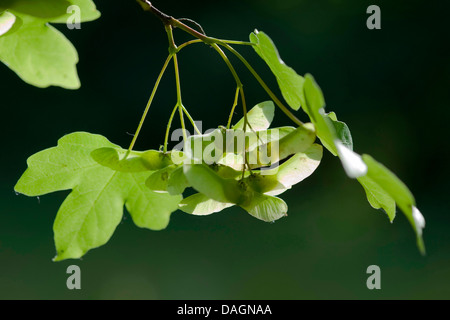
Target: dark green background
x,y
391,86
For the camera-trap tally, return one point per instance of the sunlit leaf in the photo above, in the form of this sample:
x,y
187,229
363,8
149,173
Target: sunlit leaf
x,y
42,9
342,130
333,134
54,11
39,54
291,84
378,197
314,107
46,57
383,185
88,11
329,129
94,208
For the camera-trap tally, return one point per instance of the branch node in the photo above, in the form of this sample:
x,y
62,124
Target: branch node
x,y
147,6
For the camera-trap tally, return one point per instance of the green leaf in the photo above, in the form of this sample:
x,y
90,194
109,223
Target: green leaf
x,y
88,11
333,134
45,58
383,186
38,53
200,205
259,117
377,197
390,182
290,83
94,208
329,129
54,11
314,107
7,20
342,130
42,9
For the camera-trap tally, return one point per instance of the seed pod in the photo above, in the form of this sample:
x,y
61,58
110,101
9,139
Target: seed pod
x,y
131,161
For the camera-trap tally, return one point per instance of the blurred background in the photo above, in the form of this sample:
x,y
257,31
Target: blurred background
x,y
390,86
